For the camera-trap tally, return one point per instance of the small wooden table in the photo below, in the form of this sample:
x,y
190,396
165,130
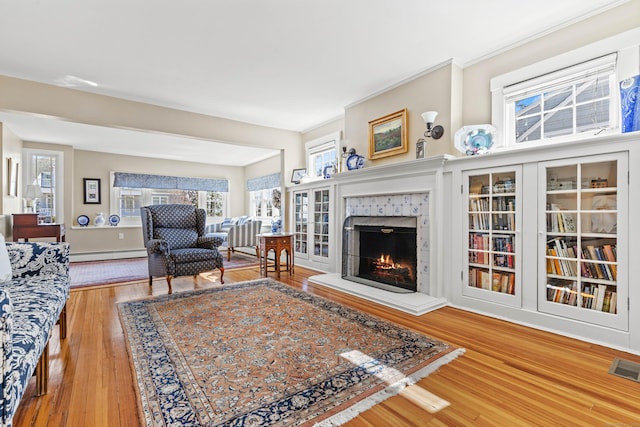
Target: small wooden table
x,y
278,242
25,226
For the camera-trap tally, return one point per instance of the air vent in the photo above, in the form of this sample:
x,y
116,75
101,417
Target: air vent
x,y
625,369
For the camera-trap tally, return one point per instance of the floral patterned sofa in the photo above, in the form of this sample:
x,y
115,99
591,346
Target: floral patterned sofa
x,y
32,299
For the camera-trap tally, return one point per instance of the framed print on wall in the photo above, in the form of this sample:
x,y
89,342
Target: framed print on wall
x,y
91,191
388,135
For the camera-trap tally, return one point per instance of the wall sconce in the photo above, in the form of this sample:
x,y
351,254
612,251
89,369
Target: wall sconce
x,y
434,132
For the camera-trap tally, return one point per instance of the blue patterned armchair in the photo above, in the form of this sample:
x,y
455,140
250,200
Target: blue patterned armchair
x,y
176,243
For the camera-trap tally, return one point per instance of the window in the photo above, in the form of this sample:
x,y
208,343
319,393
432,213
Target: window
x,y
565,98
42,184
265,203
322,152
265,196
566,105
129,200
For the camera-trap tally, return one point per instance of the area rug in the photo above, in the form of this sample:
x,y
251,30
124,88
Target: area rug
x,y
92,273
262,353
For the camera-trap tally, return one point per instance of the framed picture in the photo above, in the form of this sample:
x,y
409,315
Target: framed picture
x,y
91,190
12,177
420,149
388,135
297,175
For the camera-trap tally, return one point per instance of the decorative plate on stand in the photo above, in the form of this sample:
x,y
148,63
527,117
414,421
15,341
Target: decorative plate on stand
x,y
114,220
355,161
475,139
83,220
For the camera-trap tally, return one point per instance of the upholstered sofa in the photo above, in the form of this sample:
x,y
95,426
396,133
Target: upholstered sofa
x,y
236,233
33,298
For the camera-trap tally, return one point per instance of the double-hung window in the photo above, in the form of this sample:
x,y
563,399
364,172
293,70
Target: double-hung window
x,y
265,196
42,178
322,154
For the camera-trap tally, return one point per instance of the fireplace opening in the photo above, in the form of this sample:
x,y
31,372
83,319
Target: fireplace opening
x,y
381,252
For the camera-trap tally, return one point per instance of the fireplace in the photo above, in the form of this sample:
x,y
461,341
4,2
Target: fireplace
x,y
381,251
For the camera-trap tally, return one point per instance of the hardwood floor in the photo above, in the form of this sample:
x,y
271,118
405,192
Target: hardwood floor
x,y
509,375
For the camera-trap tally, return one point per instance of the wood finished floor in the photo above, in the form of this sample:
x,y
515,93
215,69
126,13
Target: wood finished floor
x,y
510,375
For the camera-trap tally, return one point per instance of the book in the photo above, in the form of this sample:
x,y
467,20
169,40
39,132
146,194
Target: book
x,y
600,297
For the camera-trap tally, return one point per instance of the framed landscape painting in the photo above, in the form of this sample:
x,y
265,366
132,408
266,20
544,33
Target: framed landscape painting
x,y
388,135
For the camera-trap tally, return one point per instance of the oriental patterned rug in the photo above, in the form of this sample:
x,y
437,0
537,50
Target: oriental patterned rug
x,y
261,353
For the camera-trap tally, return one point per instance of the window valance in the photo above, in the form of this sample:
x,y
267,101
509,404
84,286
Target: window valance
x,y
264,182
164,182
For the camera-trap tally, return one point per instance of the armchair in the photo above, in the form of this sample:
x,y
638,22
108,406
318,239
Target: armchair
x,y
236,234
176,243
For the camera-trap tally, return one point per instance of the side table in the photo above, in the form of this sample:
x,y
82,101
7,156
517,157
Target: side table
x,y
277,242
25,226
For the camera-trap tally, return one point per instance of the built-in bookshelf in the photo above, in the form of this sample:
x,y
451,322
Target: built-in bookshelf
x,y
492,258
581,216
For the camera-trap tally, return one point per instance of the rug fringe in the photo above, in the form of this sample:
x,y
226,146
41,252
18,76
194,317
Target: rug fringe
x,y
390,391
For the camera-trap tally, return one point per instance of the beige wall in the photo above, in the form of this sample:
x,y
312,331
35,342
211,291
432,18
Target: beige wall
x,y
477,96
88,164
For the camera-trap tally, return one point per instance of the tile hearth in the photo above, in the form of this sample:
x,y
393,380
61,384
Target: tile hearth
x,y
415,303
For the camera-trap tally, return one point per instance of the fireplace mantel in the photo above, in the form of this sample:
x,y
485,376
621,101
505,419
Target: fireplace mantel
x,y
414,188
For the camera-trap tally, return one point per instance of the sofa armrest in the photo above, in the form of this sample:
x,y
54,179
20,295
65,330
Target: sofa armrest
x,y
214,228
29,259
6,326
245,234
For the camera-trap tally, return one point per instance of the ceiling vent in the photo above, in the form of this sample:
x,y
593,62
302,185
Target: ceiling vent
x,y
625,369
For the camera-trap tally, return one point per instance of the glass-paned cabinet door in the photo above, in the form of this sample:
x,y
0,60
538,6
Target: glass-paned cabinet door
x,y
301,222
321,206
492,254
582,226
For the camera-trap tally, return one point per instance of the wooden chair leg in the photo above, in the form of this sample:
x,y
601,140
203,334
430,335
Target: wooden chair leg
x,y
63,322
42,372
169,283
229,250
221,274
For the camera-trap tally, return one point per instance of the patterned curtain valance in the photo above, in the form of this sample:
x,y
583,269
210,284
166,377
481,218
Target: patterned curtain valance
x,y
264,182
140,180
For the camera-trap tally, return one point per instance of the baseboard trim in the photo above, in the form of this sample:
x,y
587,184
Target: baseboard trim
x,y
104,256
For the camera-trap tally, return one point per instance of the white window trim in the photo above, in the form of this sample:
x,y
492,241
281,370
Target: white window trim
x,y
315,144
628,63
59,179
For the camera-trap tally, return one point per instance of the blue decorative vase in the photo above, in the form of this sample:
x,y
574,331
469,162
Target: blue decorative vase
x,y
276,226
629,105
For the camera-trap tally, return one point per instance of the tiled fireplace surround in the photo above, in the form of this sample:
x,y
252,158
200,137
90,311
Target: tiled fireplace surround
x,y
408,189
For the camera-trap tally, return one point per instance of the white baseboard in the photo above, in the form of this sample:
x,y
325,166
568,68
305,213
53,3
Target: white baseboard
x,y
103,256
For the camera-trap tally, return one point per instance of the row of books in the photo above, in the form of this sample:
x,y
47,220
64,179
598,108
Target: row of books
x,y
498,204
594,297
503,282
560,221
497,221
558,250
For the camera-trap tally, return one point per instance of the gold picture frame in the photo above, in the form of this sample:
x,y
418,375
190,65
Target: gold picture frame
x,y
388,135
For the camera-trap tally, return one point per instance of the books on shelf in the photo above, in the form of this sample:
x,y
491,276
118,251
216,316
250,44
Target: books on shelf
x,y
498,281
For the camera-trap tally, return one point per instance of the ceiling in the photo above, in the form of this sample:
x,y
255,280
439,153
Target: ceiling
x,y
288,64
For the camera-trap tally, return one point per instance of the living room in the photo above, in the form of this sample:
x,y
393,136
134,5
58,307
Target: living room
x,y
461,95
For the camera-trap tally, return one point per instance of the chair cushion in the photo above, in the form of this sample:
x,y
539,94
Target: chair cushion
x,y
186,255
177,238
